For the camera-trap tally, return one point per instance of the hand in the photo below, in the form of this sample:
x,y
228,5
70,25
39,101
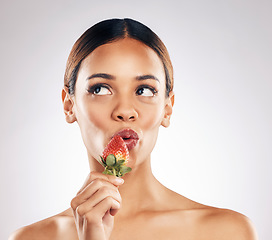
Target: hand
x,y
95,205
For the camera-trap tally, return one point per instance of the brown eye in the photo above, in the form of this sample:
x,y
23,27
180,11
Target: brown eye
x,y
100,90
146,91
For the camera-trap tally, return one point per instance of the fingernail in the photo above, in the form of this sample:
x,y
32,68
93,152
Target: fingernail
x,y
119,180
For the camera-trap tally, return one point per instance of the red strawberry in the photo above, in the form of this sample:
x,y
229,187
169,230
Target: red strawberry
x,y
118,148
115,156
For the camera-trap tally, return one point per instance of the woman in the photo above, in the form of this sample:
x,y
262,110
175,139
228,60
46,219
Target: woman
x,y
119,80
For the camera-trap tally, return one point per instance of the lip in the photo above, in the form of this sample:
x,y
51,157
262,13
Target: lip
x,y
129,136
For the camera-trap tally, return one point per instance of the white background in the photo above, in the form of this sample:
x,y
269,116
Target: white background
x,y
217,150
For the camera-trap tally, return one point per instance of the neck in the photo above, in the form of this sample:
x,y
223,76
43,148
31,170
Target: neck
x,y
140,190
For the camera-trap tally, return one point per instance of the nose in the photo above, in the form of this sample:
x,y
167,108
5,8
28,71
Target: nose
x,y
125,112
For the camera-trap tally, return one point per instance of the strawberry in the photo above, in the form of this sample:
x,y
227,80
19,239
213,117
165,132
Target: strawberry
x,y
118,148
115,157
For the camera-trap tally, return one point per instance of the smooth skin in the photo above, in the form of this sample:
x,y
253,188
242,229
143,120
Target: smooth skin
x,y
122,85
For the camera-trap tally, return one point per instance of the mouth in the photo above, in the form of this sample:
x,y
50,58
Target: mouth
x,y
129,136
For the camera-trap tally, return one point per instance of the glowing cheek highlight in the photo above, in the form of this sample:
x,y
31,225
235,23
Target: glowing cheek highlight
x,y
97,117
152,118
93,125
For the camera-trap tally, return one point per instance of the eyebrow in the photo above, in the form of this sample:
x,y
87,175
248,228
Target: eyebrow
x,y
145,77
101,75
111,77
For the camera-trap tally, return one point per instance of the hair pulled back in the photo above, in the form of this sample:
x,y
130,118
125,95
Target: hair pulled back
x,y
109,31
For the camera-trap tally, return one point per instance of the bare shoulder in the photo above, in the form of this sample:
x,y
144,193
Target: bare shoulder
x,y
51,228
224,224
227,224
45,229
206,222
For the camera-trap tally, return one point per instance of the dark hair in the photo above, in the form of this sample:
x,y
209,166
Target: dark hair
x,y
109,31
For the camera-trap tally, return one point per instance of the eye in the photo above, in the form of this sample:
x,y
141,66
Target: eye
x,y
100,90
146,91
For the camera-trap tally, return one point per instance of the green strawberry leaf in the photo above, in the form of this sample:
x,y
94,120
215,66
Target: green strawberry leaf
x,y
124,170
112,167
110,160
102,162
120,162
102,159
108,172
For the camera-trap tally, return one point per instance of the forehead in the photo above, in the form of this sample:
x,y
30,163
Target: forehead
x,y
126,56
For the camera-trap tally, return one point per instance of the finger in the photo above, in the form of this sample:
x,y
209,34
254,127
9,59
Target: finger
x,y
95,186
113,212
95,199
91,189
96,175
99,211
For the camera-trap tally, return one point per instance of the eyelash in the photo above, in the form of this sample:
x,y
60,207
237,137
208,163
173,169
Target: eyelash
x,y
152,89
92,88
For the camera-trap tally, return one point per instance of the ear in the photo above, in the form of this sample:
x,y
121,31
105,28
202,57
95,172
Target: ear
x,y
68,104
168,109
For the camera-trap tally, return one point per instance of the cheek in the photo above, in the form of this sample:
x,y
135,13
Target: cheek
x,y
92,121
97,118
150,121
152,117
91,114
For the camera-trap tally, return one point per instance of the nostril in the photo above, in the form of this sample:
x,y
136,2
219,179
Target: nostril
x,y
125,118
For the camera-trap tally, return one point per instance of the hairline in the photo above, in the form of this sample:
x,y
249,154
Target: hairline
x,y
116,39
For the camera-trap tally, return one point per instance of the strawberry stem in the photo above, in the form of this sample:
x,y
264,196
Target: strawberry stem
x,y
116,168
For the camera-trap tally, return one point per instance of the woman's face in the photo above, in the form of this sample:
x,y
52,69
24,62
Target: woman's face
x,y
121,85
